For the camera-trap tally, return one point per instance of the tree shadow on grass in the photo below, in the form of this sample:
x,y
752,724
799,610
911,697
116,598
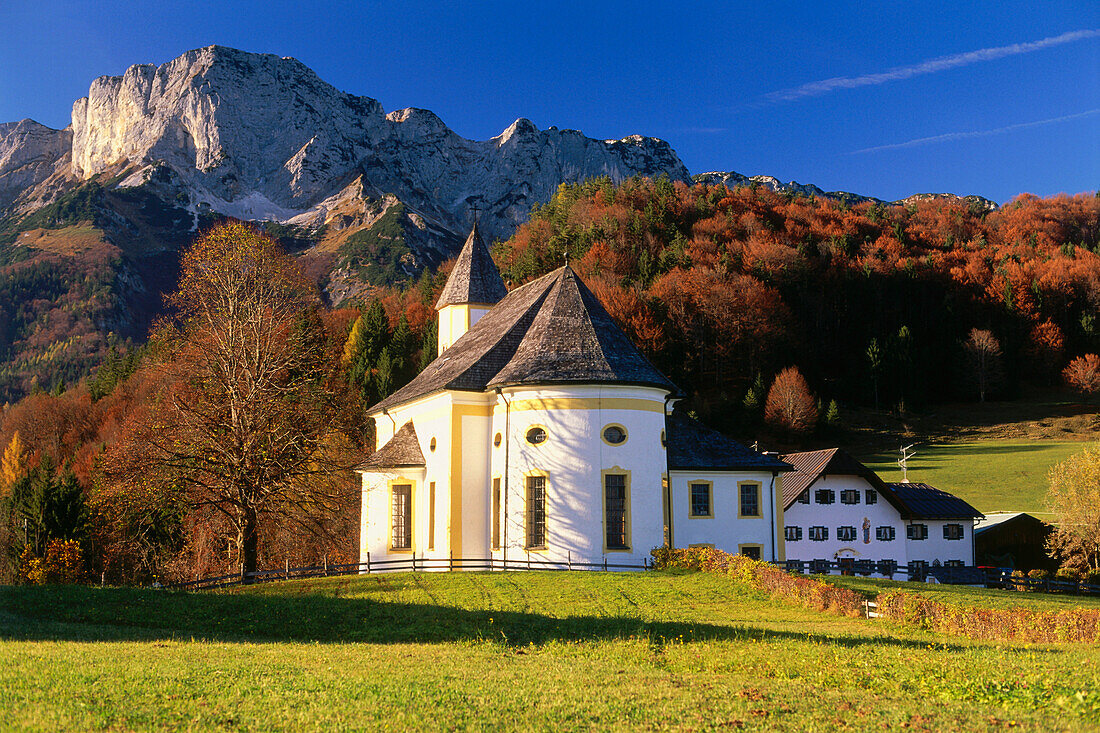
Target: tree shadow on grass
x,y
82,614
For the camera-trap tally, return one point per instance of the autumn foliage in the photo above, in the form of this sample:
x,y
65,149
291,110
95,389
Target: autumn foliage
x,y
790,406
718,285
762,576
1083,374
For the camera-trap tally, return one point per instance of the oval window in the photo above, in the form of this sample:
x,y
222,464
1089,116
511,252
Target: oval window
x,y
536,435
431,446
614,434
496,440
663,444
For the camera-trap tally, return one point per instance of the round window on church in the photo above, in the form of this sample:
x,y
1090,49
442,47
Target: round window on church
x,y
614,435
536,435
496,440
431,446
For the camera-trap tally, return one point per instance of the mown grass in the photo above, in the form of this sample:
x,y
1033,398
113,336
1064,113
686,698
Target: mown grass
x,y
993,475
504,651
963,595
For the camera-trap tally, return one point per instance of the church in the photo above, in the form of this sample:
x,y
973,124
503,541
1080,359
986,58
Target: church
x,y
540,431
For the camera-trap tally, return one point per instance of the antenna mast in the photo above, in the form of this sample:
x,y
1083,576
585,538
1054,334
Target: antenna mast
x,y
907,452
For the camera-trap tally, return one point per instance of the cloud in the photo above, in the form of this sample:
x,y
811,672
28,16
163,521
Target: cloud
x,y
943,63
950,136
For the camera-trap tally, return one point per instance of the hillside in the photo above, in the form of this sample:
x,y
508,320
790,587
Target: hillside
x,y
723,288
366,197
509,650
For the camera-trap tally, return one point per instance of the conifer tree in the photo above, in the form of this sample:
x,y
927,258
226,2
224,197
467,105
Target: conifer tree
x,y
14,464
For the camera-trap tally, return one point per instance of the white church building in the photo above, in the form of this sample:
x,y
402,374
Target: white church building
x,y
541,432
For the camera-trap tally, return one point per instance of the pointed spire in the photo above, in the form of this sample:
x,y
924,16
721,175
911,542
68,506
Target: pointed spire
x,y
475,277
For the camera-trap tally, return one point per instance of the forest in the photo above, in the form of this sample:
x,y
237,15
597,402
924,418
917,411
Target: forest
x,y
888,307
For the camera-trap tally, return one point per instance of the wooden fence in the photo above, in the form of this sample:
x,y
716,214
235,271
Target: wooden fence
x,y
947,574
405,564
968,575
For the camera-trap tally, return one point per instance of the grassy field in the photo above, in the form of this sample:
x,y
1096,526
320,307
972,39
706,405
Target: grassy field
x,y
993,475
962,595
503,651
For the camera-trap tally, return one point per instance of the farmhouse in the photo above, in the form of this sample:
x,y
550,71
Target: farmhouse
x,y
541,431
837,509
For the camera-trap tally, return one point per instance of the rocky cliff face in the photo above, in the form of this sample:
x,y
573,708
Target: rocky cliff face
x,y
260,136
30,154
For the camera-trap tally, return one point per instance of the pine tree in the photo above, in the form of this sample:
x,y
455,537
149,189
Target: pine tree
x,y
754,398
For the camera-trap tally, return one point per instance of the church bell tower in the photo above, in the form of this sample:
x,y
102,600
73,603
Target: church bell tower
x,y
474,286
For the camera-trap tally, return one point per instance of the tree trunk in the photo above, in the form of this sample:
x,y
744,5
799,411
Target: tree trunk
x,y
250,540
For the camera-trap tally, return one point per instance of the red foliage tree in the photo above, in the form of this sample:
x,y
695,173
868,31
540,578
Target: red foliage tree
x,y
1083,374
790,406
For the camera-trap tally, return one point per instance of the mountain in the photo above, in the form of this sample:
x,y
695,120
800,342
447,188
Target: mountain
x,y
733,179
93,216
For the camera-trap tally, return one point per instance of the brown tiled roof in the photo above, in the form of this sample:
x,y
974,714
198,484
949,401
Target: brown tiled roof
x,y
550,331
475,277
912,500
402,450
692,445
812,465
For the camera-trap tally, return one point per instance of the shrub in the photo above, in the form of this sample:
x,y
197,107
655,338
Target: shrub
x,y
1070,574
996,624
762,576
1038,574
63,563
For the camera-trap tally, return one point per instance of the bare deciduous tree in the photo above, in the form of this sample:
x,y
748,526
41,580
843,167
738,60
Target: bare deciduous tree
x,y
249,416
983,355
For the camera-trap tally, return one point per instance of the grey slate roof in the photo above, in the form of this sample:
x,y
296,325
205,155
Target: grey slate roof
x,y
402,450
550,331
927,502
475,277
691,445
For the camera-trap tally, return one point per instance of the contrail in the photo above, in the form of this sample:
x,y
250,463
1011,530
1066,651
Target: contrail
x,y
975,133
818,88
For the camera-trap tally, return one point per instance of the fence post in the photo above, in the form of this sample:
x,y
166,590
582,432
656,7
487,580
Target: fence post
x,y
528,559
605,563
569,559
287,562
326,565
242,573
368,562
451,560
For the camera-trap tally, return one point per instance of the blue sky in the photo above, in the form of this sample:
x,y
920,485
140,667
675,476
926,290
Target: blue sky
x,y
885,99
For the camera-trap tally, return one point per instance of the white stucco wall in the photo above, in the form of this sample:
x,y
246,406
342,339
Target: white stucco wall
x,y
374,530
573,459
937,548
835,515
431,417
724,529
880,514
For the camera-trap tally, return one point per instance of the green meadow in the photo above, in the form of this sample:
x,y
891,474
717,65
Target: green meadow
x,y
509,651
993,475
